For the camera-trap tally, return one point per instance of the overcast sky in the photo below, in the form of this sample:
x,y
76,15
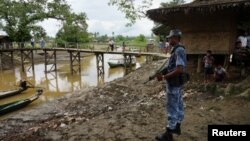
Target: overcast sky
x,y
104,19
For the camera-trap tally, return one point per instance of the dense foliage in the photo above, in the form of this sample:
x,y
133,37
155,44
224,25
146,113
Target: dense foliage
x,y
19,18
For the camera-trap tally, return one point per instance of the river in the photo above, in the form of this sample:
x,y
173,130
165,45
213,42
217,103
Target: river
x,y
60,83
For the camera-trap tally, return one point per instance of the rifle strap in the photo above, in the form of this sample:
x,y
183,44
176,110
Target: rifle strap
x,y
176,48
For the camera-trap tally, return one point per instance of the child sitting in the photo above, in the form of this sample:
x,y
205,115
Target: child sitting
x,y
219,73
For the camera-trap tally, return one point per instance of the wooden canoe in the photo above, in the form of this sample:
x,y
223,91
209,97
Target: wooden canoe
x,y
22,87
5,94
9,107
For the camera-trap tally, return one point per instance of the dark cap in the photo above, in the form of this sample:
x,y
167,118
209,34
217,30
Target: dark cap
x,y
174,32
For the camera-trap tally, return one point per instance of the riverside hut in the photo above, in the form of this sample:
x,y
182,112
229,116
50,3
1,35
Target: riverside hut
x,y
206,25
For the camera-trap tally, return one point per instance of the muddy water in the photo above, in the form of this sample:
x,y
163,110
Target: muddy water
x,y
60,83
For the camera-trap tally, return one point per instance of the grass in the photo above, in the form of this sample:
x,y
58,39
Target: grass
x,y
133,43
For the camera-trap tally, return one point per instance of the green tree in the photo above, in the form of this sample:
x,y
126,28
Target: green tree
x,y
103,38
135,9
132,10
74,30
172,3
120,38
140,38
72,33
18,18
161,29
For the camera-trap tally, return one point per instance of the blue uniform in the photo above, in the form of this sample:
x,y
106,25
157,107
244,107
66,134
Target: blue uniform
x,y
174,100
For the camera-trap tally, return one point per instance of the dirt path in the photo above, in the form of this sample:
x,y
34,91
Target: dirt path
x,y
123,110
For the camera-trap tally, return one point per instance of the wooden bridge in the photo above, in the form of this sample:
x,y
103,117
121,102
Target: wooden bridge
x,y
50,57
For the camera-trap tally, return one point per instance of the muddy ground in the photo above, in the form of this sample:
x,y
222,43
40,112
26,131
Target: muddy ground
x,y
128,110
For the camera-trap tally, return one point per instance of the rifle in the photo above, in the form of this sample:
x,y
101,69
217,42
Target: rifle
x,y
161,70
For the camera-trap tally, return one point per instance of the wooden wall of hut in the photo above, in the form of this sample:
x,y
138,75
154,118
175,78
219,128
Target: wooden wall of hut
x,y
206,31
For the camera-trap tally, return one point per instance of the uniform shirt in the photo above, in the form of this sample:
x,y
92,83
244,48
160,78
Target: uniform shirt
x,y
178,58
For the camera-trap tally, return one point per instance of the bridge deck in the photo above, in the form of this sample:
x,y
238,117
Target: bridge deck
x,y
86,51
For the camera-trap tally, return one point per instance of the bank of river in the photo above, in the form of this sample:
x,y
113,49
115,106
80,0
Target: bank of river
x,y
124,109
62,82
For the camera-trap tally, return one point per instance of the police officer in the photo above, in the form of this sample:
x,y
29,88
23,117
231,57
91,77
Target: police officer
x,y
174,102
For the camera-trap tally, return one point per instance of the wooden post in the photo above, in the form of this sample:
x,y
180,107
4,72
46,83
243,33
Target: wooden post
x,y
149,58
127,60
199,65
12,58
47,81
45,60
57,87
55,63
22,60
1,59
50,59
71,62
226,62
146,56
100,64
32,60
79,61
75,61
127,63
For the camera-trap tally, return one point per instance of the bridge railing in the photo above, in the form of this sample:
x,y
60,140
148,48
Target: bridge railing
x,y
91,46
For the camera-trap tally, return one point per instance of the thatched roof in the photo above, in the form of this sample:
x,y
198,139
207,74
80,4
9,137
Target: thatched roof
x,y
161,30
199,6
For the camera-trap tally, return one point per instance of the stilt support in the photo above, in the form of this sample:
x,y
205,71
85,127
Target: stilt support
x,y
50,59
128,63
100,65
149,58
52,81
75,62
27,55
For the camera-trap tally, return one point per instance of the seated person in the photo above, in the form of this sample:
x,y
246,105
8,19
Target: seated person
x,y
219,73
238,45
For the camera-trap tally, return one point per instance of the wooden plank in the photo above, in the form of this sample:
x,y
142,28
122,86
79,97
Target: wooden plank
x,y
80,50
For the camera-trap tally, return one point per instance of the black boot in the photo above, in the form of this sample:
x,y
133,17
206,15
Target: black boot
x,y
177,129
165,137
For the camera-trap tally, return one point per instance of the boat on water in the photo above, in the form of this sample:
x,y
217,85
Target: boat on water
x,y
119,61
22,87
12,106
